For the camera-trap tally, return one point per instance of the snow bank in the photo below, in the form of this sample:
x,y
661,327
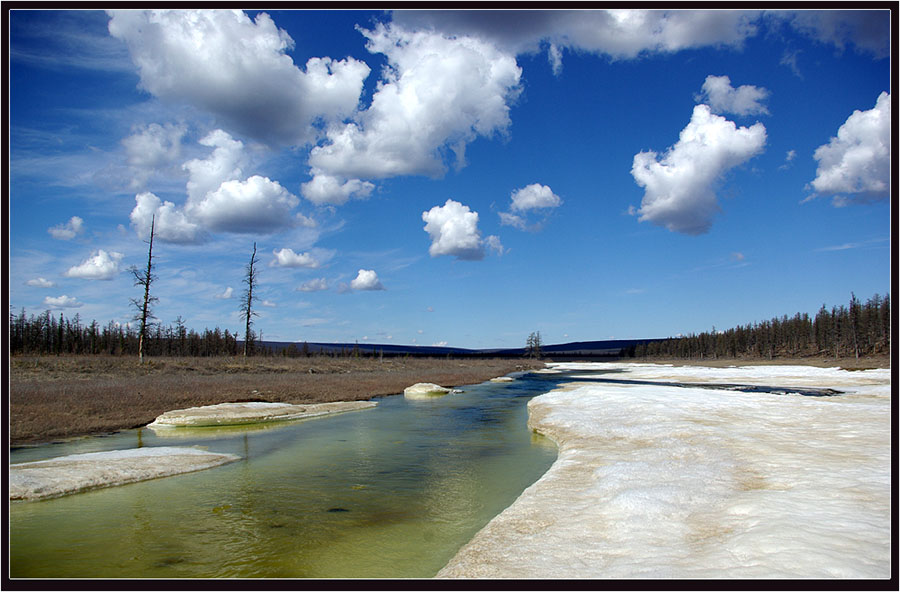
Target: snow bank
x,y
672,482
65,475
229,414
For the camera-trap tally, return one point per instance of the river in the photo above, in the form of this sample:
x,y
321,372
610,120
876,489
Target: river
x,y
388,492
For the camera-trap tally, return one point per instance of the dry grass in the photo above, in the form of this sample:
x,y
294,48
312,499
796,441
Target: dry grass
x,y
60,397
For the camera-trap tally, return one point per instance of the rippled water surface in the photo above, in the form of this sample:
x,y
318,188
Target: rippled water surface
x,y
392,491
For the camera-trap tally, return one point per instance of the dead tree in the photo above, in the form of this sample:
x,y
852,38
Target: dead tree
x,y
247,313
144,278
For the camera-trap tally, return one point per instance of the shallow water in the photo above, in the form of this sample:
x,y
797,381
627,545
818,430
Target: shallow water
x,y
392,491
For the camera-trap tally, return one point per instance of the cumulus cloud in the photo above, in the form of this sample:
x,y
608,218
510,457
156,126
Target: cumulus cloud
x,y
219,199
366,279
632,33
680,186
152,148
99,266
226,294
534,196
67,230
238,69
257,205
314,285
61,302
619,34
721,97
288,258
40,283
224,163
171,224
528,198
856,164
326,189
453,229
437,94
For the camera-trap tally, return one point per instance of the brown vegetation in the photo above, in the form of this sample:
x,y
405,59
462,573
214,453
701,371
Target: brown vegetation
x,y
54,397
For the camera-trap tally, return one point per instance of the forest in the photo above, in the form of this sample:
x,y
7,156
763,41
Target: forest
x,y
857,329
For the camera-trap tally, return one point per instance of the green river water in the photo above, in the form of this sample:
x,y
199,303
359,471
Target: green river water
x,y
388,492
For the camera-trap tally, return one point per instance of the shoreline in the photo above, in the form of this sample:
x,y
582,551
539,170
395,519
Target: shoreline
x,y
663,481
59,398
863,363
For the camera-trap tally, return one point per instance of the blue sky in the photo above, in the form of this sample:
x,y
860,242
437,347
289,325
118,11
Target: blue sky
x,y
451,178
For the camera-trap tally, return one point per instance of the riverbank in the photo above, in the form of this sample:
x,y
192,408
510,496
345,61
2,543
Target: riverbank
x,y
675,481
847,363
58,397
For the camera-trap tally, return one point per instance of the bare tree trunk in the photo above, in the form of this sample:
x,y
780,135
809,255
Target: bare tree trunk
x,y
145,278
247,302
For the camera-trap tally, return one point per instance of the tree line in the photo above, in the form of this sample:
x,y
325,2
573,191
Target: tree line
x,y
45,334
857,329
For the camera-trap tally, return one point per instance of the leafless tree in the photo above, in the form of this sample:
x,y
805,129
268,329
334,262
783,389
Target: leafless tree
x,y
144,278
247,301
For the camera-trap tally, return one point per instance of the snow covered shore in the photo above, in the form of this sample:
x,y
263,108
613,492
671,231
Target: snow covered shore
x,y
665,481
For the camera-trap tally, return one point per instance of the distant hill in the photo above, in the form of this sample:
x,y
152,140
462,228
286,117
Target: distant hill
x,y
576,348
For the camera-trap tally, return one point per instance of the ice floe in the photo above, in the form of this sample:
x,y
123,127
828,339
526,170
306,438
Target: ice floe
x,y
74,473
425,390
231,414
664,481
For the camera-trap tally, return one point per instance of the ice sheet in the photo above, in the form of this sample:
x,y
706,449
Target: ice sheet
x,y
671,482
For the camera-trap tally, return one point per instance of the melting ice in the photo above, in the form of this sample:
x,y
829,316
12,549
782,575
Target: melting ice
x,y
660,481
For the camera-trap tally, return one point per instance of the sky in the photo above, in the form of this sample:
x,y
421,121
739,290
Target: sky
x,y
459,178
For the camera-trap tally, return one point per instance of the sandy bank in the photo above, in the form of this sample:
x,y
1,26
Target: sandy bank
x,y
681,482
81,472
230,414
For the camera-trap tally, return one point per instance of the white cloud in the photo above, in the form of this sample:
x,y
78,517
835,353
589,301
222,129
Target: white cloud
x,y
721,97
530,197
171,224
226,294
327,189
314,285
437,93
237,68
224,163
366,279
632,33
867,30
858,161
67,230
40,283
269,304
680,187
534,196
619,34
61,302
257,205
99,266
152,148
219,200
453,228
287,258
